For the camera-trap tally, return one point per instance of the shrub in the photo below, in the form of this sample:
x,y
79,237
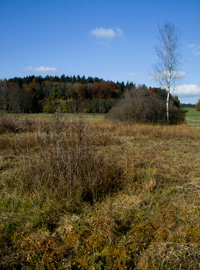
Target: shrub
x,y
7,125
140,107
68,167
16,125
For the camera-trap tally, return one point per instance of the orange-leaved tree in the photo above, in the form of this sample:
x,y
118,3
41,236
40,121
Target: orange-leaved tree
x,y
197,106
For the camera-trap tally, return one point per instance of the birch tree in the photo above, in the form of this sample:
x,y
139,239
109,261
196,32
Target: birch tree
x,y
166,70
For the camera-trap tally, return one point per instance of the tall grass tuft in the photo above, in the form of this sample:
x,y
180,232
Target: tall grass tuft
x,y
67,166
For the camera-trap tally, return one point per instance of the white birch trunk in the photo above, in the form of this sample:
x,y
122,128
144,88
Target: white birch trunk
x,y
167,107
168,90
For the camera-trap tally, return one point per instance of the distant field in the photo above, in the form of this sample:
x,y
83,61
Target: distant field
x,y
53,115
192,117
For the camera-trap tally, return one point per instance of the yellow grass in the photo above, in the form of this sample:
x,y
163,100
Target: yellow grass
x,y
90,194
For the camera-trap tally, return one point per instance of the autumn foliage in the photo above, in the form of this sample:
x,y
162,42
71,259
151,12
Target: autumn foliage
x,y
197,106
64,94
88,95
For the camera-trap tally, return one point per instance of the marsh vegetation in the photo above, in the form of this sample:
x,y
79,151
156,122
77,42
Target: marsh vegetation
x,y
92,194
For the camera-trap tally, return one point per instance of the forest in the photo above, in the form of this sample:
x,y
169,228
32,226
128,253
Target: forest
x,y
69,94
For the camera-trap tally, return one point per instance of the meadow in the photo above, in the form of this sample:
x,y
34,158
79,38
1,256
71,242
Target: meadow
x,y
81,192
192,116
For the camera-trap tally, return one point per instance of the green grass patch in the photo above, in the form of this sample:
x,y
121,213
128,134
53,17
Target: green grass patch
x,y
192,116
192,113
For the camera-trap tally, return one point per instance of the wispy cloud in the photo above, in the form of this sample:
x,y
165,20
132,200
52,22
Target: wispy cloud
x,y
119,32
106,33
187,90
163,76
178,74
191,45
132,75
195,48
197,52
41,69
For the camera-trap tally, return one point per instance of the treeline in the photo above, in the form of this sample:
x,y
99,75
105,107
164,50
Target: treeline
x,y
65,94
187,105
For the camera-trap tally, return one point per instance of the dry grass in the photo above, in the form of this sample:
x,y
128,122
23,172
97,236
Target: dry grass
x,y
96,195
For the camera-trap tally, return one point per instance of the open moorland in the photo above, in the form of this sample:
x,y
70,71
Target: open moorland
x,y
88,193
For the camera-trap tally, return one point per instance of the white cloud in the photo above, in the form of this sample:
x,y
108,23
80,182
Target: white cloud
x,y
132,74
42,69
104,33
163,76
119,31
197,52
103,42
179,74
191,45
195,48
187,90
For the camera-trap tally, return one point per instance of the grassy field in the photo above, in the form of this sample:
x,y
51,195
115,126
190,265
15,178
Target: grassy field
x,y
192,116
86,193
44,116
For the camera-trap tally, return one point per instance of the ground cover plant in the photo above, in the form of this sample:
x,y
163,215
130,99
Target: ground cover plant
x,y
192,116
92,194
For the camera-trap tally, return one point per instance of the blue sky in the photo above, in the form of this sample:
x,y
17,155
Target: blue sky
x,y
110,39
